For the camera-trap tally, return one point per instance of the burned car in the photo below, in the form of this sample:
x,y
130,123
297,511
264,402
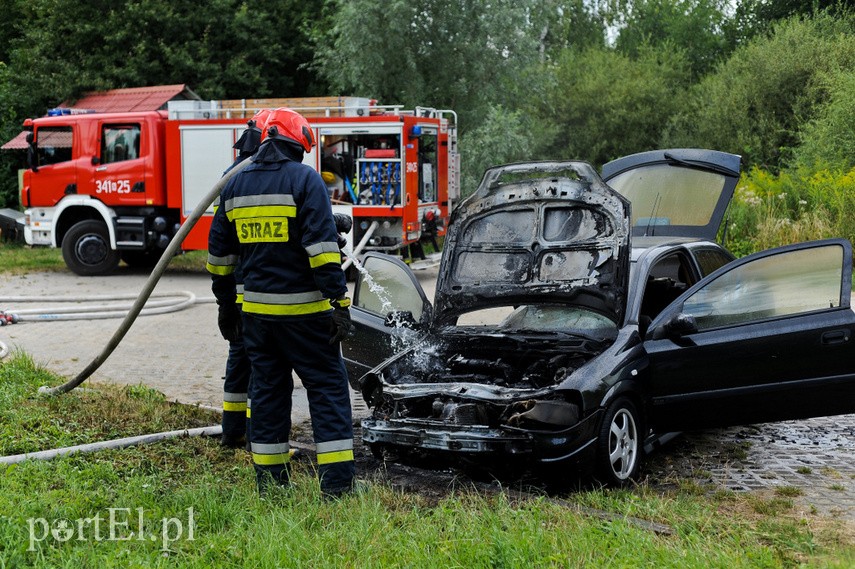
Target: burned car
x,y
580,319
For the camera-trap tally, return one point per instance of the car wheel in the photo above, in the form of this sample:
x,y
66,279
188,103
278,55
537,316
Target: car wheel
x,y
619,444
86,249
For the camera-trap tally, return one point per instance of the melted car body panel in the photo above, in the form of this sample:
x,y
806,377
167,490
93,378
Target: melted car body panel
x,y
535,229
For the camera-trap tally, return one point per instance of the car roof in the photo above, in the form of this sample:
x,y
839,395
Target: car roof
x,y
643,244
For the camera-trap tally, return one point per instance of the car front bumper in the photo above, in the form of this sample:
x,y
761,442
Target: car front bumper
x,y
538,445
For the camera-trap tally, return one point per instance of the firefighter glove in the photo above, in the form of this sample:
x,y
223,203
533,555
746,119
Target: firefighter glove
x,y
229,321
341,326
343,222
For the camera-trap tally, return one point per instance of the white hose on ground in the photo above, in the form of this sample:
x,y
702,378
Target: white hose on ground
x,y
362,243
156,273
211,431
4,350
174,302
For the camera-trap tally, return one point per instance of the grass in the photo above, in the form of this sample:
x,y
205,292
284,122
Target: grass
x,y
18,259
40,502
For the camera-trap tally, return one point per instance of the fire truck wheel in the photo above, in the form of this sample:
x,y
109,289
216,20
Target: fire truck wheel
x,y
86,249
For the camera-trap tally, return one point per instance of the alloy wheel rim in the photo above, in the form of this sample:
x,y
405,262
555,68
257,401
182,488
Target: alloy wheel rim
x,y
623,444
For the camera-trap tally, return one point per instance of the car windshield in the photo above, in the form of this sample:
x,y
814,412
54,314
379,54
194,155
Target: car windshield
x,y
540,318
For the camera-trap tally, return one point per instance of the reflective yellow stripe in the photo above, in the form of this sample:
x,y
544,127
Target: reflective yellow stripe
x,y
233,406
248,412
324,258
271,459
262,211
286,309
240,298
219,269
331,457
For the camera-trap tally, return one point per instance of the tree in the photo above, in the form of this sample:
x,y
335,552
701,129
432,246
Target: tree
x,y
603,104
694,26
457,54
502,137
755,103
55,50
829,139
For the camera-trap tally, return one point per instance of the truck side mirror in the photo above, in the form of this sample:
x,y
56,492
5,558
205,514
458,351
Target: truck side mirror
x,y
95,160
31,157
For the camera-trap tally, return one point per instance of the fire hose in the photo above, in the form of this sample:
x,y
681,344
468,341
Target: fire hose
x,y
362,243
149,285
173,302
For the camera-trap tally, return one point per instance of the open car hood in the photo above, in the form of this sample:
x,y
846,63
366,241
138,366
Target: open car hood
x,y
538,232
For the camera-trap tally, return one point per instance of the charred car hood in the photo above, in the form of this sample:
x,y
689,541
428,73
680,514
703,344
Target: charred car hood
x,y
539,232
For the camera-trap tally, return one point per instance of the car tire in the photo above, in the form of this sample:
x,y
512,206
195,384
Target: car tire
x,y
619,444
86,249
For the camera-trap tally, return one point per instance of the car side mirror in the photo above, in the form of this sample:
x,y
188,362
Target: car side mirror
x,y
681,324
95,160
398,318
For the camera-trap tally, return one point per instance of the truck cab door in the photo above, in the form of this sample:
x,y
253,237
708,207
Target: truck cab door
x,y
53,172
390,310
118,171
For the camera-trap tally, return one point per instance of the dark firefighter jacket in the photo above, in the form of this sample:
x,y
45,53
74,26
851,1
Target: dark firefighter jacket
x,y
275,217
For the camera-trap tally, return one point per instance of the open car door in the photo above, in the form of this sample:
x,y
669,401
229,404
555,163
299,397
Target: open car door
x,y
389,310
764,338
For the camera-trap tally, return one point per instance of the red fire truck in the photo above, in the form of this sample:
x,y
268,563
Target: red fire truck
x,y
111,186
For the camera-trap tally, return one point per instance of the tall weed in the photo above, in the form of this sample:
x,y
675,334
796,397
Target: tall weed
x,y
796,205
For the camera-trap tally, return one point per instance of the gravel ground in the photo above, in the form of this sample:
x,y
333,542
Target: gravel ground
x,y
182,355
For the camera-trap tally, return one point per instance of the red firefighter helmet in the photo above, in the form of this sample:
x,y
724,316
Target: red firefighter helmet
x,y
259,120
285,124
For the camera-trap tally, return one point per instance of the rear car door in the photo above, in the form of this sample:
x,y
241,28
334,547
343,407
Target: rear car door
x,y
389,310
765,338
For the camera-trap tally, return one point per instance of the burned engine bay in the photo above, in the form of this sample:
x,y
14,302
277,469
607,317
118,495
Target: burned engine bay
x,y
458,380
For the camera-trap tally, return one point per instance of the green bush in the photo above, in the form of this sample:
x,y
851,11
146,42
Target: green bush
x,y
796,205
828,140
755,103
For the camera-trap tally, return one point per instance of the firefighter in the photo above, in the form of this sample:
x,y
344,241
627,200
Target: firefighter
x,y
236,410
236,381
276,217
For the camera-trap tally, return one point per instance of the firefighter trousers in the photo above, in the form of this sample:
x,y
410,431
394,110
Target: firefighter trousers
x,y
235,390
276,347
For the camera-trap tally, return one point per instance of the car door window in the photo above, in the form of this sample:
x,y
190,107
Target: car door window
x,y
710,260
787,283
385,287
668,278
